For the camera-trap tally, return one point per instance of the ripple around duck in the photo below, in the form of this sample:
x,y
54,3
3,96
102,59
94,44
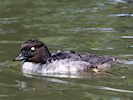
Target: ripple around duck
x,y
114,89
128,62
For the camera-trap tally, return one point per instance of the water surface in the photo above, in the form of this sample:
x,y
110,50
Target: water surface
x,y
104,27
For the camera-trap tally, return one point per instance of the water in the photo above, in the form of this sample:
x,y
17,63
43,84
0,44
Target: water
x,y
98,26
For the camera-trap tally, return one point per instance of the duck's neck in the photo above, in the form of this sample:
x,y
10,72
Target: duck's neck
x,y
46,56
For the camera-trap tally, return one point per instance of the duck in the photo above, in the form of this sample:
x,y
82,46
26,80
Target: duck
x,y
36,58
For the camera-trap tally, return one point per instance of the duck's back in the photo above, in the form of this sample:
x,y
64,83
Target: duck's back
x,y
95,60
66,55
101,62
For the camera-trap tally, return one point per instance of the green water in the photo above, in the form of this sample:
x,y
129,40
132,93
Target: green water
x,y
104,27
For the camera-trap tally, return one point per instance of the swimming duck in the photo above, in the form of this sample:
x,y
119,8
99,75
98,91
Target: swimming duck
x,y
37,58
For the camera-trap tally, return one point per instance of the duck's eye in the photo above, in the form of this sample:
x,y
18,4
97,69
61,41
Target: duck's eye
x,y
32,49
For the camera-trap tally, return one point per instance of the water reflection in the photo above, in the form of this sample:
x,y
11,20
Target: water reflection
x,y
84,75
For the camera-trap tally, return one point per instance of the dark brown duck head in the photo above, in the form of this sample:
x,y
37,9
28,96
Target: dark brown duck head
x,y
33,51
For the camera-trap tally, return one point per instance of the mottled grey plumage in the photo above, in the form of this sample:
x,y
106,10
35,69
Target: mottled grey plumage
x,y
95,60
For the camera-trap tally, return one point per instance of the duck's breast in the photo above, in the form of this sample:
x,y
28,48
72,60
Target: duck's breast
x,y
65,66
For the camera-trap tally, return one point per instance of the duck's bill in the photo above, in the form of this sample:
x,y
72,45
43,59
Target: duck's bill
x,y
20,57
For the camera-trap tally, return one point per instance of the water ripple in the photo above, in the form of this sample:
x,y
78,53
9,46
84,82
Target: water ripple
x,y
127,37
11,42
121,15
1,52
7,85
114,89
117,1
4,95
127,62
8,20
131,46
93,29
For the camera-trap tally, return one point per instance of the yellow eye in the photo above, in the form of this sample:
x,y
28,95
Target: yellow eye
x,y
32,48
